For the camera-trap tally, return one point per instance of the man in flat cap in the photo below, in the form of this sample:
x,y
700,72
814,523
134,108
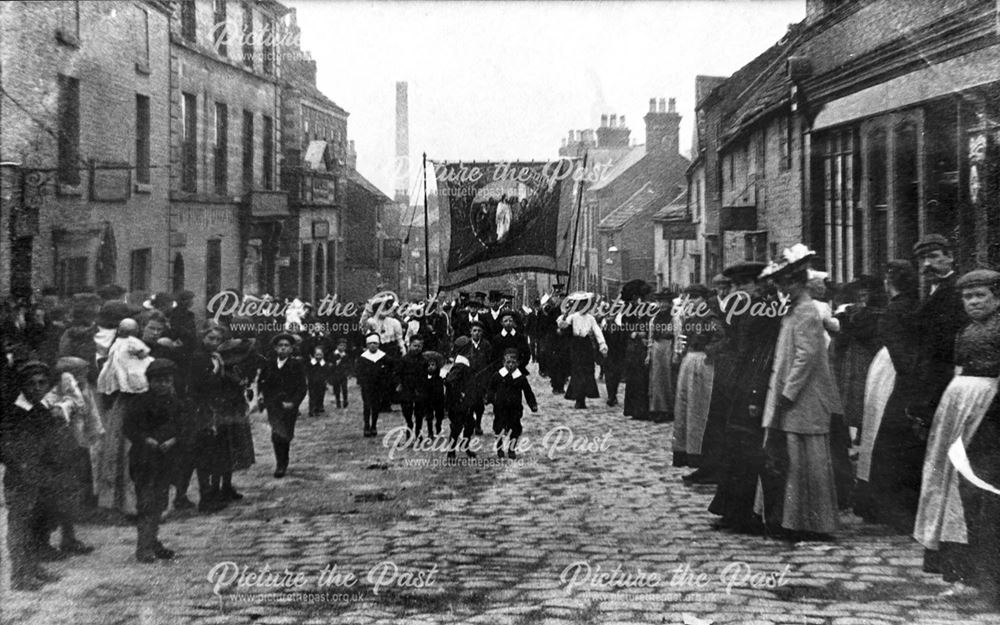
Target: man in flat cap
x,y
939,320
282,386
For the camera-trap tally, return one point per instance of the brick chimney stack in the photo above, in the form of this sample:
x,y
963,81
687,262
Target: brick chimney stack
x,y
662,128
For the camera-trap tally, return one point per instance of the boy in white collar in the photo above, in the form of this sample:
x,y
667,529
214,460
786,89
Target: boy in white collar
x,y
318,373
504,391
372,371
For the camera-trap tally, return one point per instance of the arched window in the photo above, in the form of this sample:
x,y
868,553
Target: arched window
x,y
177,281
319,285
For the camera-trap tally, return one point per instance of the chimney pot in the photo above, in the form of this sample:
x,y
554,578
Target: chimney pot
x,y
604,120
663,105
672,105
579,136
613,121
571,136
621,121
652,105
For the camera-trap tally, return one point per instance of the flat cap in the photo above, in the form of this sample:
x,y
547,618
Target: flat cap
x,y
929,243
160,366
978,277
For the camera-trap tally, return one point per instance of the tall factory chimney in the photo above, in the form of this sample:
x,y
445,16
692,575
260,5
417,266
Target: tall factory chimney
x,y
402,145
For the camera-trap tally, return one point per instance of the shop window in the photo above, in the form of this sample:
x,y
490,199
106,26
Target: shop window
x,y
142,269
878,202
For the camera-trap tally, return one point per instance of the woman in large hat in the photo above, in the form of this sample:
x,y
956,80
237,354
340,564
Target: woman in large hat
x,y
801,400
584,331
942,527
635,326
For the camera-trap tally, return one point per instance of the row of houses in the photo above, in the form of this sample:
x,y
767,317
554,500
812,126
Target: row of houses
x,y
167,145
868,125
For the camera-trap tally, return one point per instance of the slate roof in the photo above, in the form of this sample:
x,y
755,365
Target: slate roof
x,y
636,203
624,162
675,209
353,176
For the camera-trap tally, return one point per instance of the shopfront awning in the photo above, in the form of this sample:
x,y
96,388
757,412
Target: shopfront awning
x,y
978,68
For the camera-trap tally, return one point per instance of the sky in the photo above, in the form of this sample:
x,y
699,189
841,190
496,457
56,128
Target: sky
x,y
508,80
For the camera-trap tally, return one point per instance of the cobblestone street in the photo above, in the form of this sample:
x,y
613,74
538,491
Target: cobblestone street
x,y
487,543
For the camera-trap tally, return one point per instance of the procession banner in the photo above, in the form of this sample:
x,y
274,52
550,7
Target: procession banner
x,y
501,217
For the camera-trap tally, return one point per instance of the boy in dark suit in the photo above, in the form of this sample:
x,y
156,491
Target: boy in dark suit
x,y
504,391
411,374
459,393
318,373
282,387
152,427
430,396
374,372
338,373
26,427
479,353
509,337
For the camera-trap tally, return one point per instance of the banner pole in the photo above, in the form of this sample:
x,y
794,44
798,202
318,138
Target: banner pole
x,y
576,227
427,236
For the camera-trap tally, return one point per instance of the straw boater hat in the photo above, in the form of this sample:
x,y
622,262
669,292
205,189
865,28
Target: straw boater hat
x,y
793,259
286,336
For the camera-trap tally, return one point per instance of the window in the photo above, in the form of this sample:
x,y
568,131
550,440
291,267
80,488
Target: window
x,y
247,151
268,140
189,23
221,148
247,35
72,275
189,143
841,186
755,246
141,36
878,201
268,36
307,271
219,29
213,268
142,139
69,131
141,270
68,31
784,144
760,154
906,209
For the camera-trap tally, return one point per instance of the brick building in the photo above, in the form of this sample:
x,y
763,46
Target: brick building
x,y
315,157
85,167
625,200
870,124
224,141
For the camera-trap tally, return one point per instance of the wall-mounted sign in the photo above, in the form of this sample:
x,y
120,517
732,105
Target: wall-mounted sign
x,y
110,182
321,229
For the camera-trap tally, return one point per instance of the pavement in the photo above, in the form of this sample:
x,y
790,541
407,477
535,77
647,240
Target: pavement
x,y
590,524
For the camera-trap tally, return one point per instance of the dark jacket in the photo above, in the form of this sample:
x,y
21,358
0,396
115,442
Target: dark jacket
x,y
151,416
287,384
459,388
375,376
24,437
505,391
517,340
319,373
412,368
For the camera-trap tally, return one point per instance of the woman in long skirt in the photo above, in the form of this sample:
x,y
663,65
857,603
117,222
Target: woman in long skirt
x,y
635,324
941,525
694,382
660,359
234,441
584,331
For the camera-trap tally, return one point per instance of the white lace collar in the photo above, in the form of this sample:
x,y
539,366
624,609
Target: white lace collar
x,y
377,356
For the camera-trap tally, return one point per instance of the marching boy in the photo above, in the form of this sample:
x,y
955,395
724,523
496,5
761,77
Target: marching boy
x,y
373,371
429,401
459,396
152,427
504,391
338,373
318,373
412,368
